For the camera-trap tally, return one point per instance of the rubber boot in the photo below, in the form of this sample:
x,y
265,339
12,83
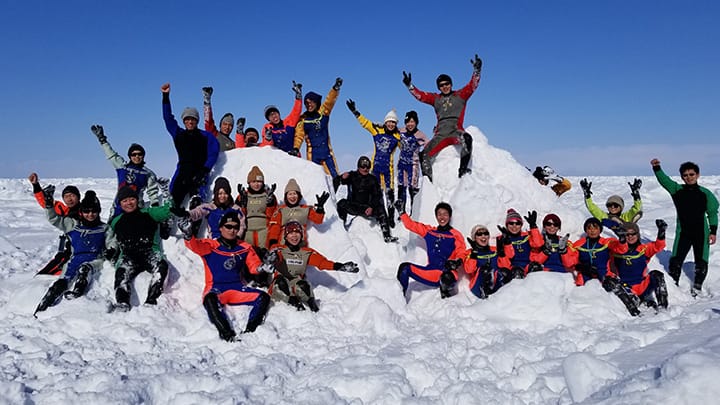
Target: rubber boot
x,y
700,274
402,196
675,269
447,282
661,293
386,230
217,317
81,282
295,301
465,155
157,282
622,291
425,165
487,281
122,292
52,295
390,194
312,304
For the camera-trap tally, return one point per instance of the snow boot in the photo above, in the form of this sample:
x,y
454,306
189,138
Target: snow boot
x,y
700,274
425,165
622,291
312,304
675,269
386,230
122,292
52,295
81,282
217,317
294,301
661,293
402,195
156,283
390,195
259,316
465,155
447,282
487,281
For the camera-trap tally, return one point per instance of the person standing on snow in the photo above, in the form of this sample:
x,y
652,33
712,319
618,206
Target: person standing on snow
x,y
615,217
88,237
408,167
449,108
197,152
483,263
385,138
445,250
224,259
226,122
278,132
313,129
697,220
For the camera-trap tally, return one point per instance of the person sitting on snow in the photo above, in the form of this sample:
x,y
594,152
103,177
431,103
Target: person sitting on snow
x,y
291,261
546,173
483,263
278,132
553,255
614,218
226,122
445,251
364,197
449,108
523,242
224,259
293,210
221,204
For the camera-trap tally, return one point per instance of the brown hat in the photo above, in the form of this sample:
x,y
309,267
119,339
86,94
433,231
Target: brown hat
x,y
255,175
292,185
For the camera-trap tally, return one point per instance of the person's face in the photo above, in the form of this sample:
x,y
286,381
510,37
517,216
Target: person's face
x,y
190,123
291,197
251,137
293,238
514,226
274,117
229,230
70,199
550,227
390,125
445,88
89,214
222,196
442,216
256,185
614,208
411,125
226,127
129,204
482,237
632,237
690,177
137,157
592,231
310,105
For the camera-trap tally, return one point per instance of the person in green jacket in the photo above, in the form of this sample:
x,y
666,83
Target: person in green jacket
x,y
615,217
697,220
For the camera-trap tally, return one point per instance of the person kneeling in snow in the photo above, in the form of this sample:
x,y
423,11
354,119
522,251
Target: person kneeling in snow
x,y
88,237
445,251
632,266
483,262
224,259
291,261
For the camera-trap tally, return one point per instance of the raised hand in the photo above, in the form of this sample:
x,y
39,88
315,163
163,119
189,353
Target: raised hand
x,y
407,79
635,188
240,125
477,63
585,185
165,88
297,89
49,195
99,133
338,83
320,204
242,197
531,219
351,106
562,245
662,227
207,93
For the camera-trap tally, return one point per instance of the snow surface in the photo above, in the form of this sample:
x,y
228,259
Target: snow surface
x,y
538,340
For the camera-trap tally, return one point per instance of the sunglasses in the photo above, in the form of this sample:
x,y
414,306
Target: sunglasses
x,y
481,233
631,234
137,154
443,84
550,224
613,205
514,223
364,166
689,174
232,227
90,211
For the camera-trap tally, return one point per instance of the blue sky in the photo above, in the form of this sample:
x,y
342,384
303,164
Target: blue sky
x,y
590,88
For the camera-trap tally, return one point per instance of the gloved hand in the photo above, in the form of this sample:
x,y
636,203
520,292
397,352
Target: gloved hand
x,y
620,232
242,197
635,188
207,92
486,268
267,134
351,106
500,243
99,133
338,83
407,79
547,247
349,267
505,234
270,199
268,264
294,152
399,207
185,227
451,265
585,185
562,245
531,219
477,63
179,212
297,89
320,204
49,194
661,226
240,125
473,245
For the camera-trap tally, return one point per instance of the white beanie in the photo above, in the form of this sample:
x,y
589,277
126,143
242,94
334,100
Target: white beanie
x,y
391,116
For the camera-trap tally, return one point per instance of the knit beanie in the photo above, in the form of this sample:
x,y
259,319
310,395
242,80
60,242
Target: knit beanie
x,y
513,215
293,226
477,228
126,192
90,201
229,118
312,96
391,116
632,227
443,78
190,112
135,147
233,216
552,218
592,221
269,110
616,199
72,190
411,115
255,174
251,133
443,206
221,183
292,185
363,160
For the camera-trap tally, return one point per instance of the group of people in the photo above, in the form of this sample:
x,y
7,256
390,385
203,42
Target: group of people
x,y
256,249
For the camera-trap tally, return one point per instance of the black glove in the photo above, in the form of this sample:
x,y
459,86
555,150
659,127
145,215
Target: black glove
x,y
240,125
321,200
338,83
473,245
620,232
294,152
270,200
500,243
399,207
585,185
351,106
661,226
207,92
451,265
179,212
635,188
186,227
270,257
49,195
348,267
562,245
297,89
477,63
407,79
242,197
531,218
505,234
99,133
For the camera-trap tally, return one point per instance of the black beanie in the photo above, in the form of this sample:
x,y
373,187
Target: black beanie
x,y
363,160
442,78
72,190
126,192
90,201
221,183
411,115
230,216
136,147
594,221
444,206
269,110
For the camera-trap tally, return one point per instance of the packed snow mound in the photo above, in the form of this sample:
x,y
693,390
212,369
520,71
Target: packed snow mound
x,y
537,340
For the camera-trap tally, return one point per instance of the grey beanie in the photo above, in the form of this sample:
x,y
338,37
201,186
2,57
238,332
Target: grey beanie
x,y
190,112
616,199
228,118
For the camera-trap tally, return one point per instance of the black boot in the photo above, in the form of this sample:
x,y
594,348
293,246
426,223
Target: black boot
x,y
312,304
402,195
661,293
165,229
447,282
122,292
425,165
675,269
217,317
384,226
487,281
700,274
51,296
295,301
156,286
258,319
390,194
81,282
465,155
